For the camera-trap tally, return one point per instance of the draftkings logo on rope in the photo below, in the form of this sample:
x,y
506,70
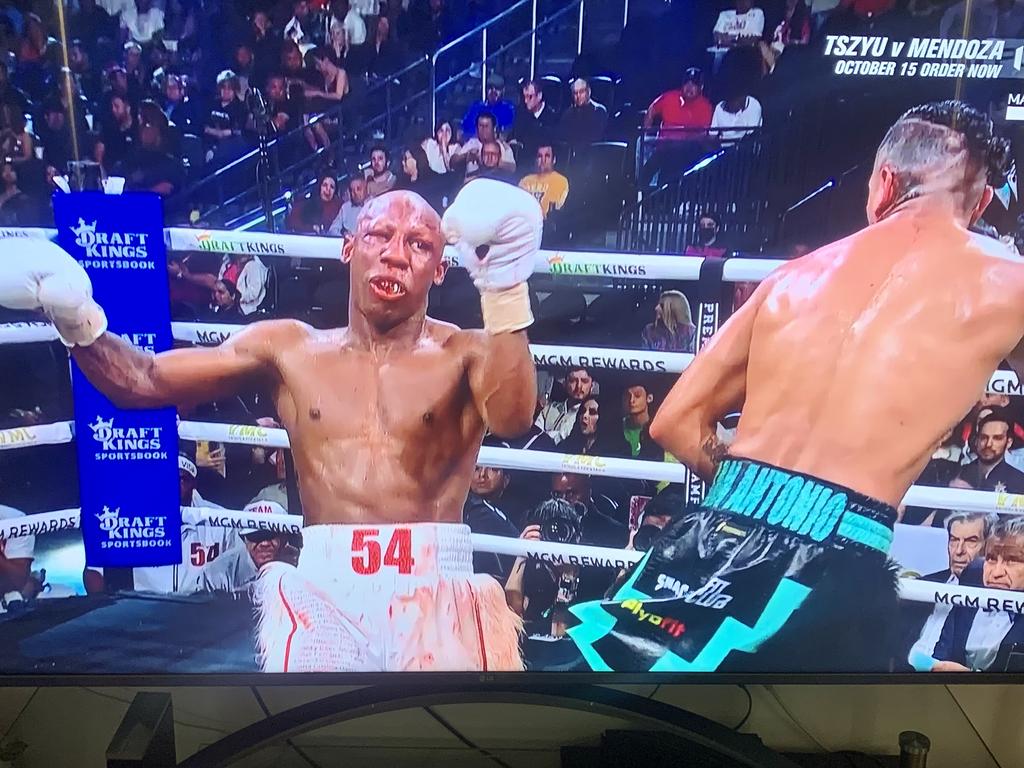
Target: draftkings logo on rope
x,y
131,444
112,250
124,531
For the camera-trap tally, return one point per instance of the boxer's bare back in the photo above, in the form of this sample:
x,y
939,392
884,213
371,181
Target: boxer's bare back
x,y
385,416
851,363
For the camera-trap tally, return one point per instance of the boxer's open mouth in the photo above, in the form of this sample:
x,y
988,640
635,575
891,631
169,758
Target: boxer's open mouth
x,y
386,288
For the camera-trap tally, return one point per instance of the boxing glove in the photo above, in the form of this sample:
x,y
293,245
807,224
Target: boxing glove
x,y
38,274
496,229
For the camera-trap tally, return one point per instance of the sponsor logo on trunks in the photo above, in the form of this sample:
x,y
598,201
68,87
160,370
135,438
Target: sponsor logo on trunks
x,y
221,244
1008,604
128,531
711,595
674,627
778,498
17,436
557,265
131,444
112,250
600,361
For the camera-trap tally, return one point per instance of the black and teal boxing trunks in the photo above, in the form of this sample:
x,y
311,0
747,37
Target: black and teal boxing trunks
x,y
726,579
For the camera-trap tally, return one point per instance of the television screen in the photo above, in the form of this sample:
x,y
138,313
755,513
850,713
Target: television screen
x,y
699,358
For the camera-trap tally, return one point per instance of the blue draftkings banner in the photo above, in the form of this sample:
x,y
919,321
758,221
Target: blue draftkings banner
x,y
127,459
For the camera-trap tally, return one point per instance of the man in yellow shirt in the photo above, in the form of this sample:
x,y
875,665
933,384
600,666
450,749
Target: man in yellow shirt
x,y
547,185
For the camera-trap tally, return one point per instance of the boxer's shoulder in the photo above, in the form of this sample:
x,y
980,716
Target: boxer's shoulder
x,y
270,335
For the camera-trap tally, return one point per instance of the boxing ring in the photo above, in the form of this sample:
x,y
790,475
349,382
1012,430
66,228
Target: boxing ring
x,y
710,274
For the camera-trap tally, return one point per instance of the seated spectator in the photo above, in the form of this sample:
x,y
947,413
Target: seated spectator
x,y
441,148
978,640
141,20
991,441
600,523
673,329
636,404
485,512
547,185
179,108
15,561
134,71
299,28
383,54
224,299
379,178
148,166
15,140
418,177
708,244
316,213
285,112
794,29
188,294
585,121
741,111
743,25
504,111
681,113
249,275
227,118
490,163
347,18
965,539
92,24
54,134
16,208
10,95
468,156
119,130
558,417
84,75
242,66
236,571
338,49
592,436
265,43
345,222
335,79
535,122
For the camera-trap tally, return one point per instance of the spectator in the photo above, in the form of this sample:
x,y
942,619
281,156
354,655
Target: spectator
x,y
535,122
590,436
15,140
16,208
148,167
224,299
335,79
141,20
739,110
337,47
418,177
708,230
178,107
84,75
227,118
504,111
134,71
316,213
92,24
16,555
285,112
978,640
600,524
187,294
428,25
345,222
743,25
379,178
794,29
242,64
9,95
684,112
992,440
469,154
441,148
990,18
346,18
636,404
249,275
382,55
585,121
558,417
265,44
485,512
237,570
490,163
673,329
966,534
299,27
118,130
547,185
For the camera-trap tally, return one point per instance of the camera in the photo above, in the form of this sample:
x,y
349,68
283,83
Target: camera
x,y
559,521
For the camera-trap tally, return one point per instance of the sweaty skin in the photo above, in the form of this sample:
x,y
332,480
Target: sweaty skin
x,y
851,363
385,417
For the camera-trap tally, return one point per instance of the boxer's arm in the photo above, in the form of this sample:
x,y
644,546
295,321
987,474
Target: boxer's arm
x,y
133,378
714,385
503,381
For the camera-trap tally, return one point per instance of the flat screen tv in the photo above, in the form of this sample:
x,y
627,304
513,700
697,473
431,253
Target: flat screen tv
x,y
720,388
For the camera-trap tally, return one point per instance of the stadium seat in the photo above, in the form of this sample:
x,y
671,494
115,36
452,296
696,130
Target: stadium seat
x,y
603,89
554,92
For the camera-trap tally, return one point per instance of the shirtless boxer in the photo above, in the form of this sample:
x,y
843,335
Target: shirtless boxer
x,y
385,419
897,327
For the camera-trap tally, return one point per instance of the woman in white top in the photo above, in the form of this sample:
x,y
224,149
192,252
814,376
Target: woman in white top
x,y
740,111
440,148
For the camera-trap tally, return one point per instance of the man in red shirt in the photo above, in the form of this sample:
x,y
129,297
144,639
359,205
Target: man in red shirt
x,y
684,115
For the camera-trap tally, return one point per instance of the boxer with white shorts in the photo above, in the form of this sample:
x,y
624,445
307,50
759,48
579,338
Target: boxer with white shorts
x,y
385,419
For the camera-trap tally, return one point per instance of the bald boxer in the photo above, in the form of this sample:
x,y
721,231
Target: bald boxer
x,y
385,419
897,327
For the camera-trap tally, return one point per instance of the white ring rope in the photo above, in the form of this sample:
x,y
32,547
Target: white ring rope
x,y
913,590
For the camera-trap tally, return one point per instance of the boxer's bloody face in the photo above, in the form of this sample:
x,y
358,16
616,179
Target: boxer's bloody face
x,y
395,256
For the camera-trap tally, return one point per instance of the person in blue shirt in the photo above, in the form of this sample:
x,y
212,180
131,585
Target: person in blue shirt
x,y
503,110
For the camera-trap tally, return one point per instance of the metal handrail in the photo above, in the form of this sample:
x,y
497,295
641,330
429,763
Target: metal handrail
x,y
480,27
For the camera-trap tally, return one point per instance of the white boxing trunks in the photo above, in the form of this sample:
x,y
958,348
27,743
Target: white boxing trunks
x,y
382,598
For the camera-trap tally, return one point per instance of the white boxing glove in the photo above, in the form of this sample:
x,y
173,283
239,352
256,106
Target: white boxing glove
x,y
38,274
496,230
